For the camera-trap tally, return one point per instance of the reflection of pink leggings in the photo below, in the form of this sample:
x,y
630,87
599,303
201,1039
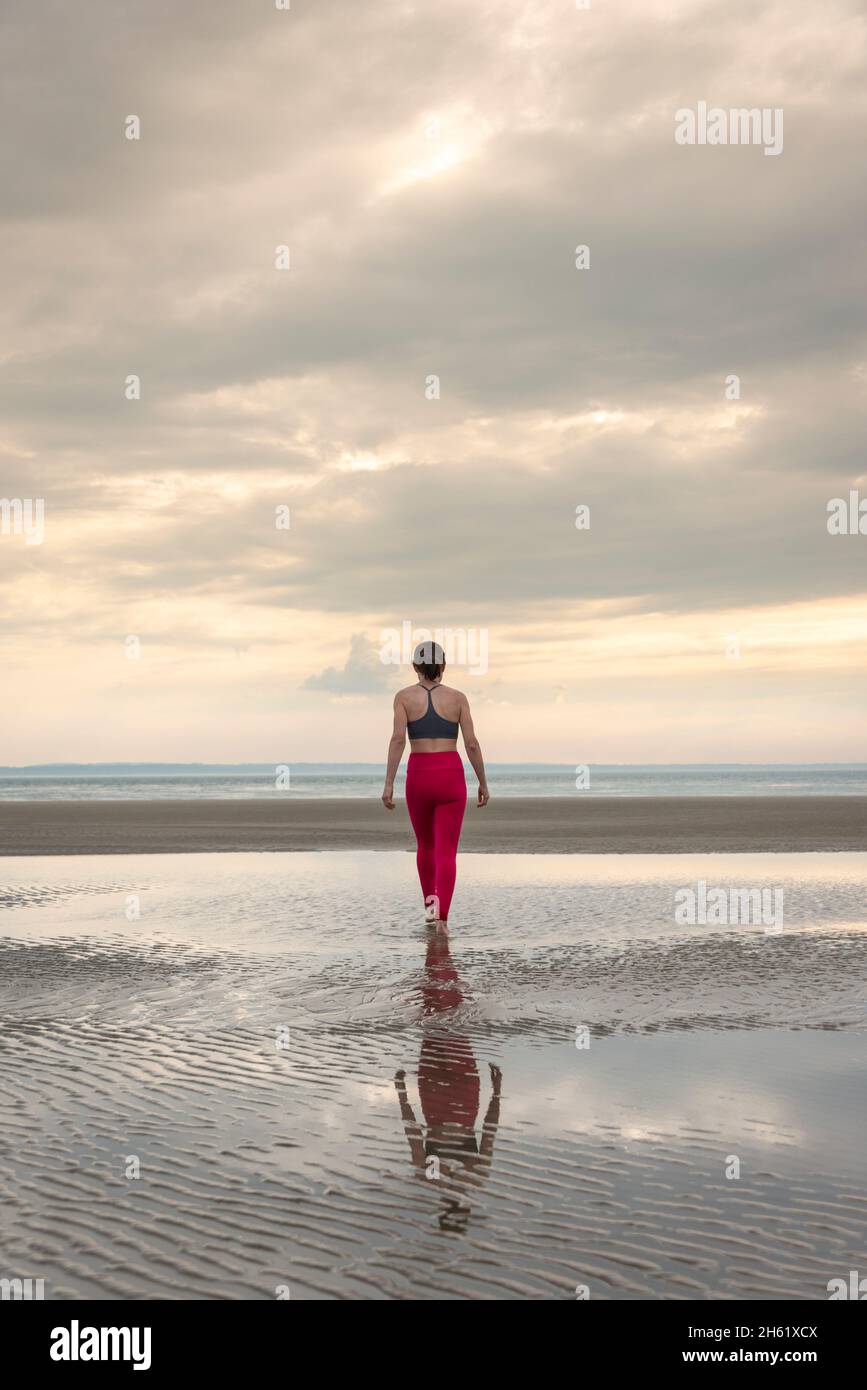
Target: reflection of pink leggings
x,y
436,797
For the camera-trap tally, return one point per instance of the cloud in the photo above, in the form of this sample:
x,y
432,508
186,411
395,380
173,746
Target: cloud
x,y
362,674
432,169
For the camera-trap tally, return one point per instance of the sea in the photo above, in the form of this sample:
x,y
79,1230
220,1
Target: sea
x,y
206,781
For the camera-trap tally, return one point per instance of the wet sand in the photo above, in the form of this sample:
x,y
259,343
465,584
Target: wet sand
x,y
220,1078
516,825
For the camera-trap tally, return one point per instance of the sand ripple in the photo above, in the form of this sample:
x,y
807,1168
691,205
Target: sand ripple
x,y
310,1163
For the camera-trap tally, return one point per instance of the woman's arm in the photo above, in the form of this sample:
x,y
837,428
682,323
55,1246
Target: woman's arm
x,y
474,751
396,745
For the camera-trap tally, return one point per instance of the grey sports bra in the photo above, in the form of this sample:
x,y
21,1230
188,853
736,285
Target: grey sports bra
x,y
431,724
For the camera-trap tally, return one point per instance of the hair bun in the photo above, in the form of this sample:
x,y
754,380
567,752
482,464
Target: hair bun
x,y
430,659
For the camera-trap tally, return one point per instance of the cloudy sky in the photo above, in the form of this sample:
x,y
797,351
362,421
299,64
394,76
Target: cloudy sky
x,y
431,168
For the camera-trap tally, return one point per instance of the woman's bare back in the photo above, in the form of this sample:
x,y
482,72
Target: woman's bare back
x,y
447,702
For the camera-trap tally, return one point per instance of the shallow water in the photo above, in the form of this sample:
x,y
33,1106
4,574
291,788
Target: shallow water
x,y
243,1037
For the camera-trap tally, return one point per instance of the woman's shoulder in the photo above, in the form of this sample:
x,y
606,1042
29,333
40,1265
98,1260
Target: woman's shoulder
x,y
446,690
402,696
450,690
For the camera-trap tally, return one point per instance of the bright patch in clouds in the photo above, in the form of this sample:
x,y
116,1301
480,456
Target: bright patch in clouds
x,y
432,170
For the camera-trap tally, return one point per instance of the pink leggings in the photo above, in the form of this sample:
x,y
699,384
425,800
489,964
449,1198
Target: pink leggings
x,y
436,797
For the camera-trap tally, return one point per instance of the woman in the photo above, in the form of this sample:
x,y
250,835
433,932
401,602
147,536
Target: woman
x,y
436,789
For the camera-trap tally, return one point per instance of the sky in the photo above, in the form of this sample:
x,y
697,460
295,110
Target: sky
x,y
425,383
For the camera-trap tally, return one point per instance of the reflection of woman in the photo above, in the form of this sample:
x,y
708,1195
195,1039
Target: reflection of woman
x,y
449,1091
436,789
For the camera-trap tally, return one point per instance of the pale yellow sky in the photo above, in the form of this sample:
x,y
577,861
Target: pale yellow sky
x,y
431,386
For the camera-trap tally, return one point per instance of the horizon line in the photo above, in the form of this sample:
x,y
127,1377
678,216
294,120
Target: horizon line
x,y
269,766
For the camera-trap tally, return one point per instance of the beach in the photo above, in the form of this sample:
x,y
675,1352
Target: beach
x,y
235,1062
230,1076
417,396
510,825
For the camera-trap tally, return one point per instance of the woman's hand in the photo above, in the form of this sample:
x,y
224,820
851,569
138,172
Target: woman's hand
x,y
484,796
388,796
